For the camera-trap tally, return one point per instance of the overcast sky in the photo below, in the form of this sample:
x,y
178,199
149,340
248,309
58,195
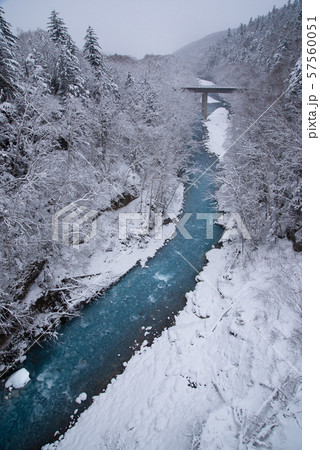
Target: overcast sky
x,y
138,27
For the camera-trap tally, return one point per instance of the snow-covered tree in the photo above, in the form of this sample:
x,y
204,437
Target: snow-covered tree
x,y
129,81
9,67
66,80
59,143
92,52
57,29
260,175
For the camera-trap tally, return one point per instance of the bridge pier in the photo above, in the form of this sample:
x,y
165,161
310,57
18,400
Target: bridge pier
x,y
204,105
205,90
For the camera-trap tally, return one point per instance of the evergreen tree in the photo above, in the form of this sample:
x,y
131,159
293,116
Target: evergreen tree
x,y
59,32
57,29
70,45
91,50
67,80
129,81
9,67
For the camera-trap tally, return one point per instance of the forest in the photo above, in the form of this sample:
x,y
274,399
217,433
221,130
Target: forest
x,y
260,174
77,127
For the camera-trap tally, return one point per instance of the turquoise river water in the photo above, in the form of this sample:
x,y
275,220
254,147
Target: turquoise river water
x,y
91,349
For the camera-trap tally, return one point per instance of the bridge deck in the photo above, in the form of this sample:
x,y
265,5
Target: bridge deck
x,y
211,89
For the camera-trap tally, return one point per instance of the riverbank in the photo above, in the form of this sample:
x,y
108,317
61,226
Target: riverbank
x,y
82,274
223,375
226,375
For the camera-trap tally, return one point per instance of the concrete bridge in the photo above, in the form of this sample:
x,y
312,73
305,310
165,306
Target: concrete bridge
x,y
205,90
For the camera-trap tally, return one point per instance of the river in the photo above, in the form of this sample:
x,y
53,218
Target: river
x,y
90,350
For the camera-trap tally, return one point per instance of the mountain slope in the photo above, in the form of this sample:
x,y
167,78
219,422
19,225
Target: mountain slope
x,y
194,52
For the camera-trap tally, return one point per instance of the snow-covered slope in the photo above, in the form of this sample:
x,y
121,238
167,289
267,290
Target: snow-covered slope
x,y
225,376
195,51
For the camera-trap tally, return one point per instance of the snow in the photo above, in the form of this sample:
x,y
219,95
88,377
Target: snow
x,y
202,82
213,373
81,398
227,374
210,100
217,124
18,379
101,264
102,261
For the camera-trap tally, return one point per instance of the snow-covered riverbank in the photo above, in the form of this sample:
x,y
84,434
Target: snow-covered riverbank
x,y
81,274
106,258
227,375
223,375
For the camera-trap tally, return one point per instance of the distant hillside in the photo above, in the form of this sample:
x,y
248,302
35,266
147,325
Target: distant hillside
x,y
195,51
269,44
